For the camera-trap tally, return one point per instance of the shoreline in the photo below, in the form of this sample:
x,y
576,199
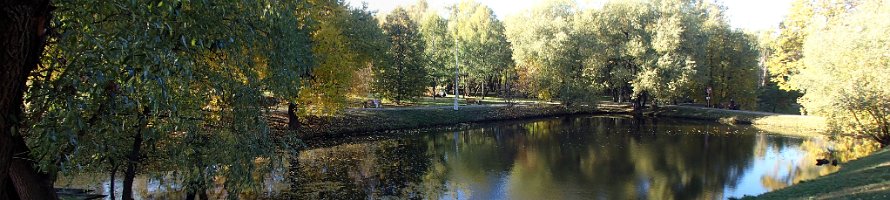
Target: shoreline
x,y
791,125
863,178
359,124
365,122
362,122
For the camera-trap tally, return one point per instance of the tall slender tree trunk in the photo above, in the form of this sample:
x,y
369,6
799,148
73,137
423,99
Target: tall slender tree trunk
x,y
132,164
111,180
22,40
135,156
435,89
466,88
293,122
502,84
400,90
483,89
198,188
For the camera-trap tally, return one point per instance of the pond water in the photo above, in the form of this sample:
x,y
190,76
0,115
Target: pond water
x,y
585,157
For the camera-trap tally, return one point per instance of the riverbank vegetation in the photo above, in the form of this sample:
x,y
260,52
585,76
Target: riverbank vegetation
x,y
121,86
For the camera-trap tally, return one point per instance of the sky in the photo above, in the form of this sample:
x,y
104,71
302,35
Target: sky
x,y
744,14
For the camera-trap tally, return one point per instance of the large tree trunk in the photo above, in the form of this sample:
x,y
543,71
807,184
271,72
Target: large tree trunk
x,y
22,38
28,182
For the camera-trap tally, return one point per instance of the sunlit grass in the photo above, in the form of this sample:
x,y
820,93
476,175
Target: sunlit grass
x,y
797,125
449,100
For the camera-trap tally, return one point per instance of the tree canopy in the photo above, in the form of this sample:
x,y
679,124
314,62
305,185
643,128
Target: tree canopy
x,y
845,63
403,76
189,87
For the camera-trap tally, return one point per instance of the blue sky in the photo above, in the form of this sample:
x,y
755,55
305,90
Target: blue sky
x,y
745,14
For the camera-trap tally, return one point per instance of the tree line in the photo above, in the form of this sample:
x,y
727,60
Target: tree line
x,y
139,86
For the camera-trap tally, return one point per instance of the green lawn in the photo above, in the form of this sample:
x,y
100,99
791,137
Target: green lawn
x,y
797,125
449,100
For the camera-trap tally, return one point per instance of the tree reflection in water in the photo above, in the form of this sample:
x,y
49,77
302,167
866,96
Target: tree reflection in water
x,y
574,157
603,157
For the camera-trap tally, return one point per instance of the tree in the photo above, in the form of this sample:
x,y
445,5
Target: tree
x,y
485,52
615,30
366,39
785,61
398,78
439,48
344,40
283,79
178,85
666,51
845,67
24,26
546,52
772,99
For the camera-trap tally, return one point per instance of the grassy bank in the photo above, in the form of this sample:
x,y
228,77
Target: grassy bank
x,y
357,121
864,178
797,125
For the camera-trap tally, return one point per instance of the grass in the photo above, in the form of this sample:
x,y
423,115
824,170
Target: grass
x,y
362,121
449,100
864,178
797,125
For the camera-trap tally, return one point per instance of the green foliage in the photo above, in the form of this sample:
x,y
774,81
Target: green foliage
x,y
183,77
785,60
772,99
402,76
788,47
845,67
343,41
546,51
666,50
730,68
484,52
365,38
439,49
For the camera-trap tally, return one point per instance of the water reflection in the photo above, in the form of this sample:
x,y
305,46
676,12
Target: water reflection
x,y
566,158
597,157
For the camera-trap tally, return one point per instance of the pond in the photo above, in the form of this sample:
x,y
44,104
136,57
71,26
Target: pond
x,y
583,157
